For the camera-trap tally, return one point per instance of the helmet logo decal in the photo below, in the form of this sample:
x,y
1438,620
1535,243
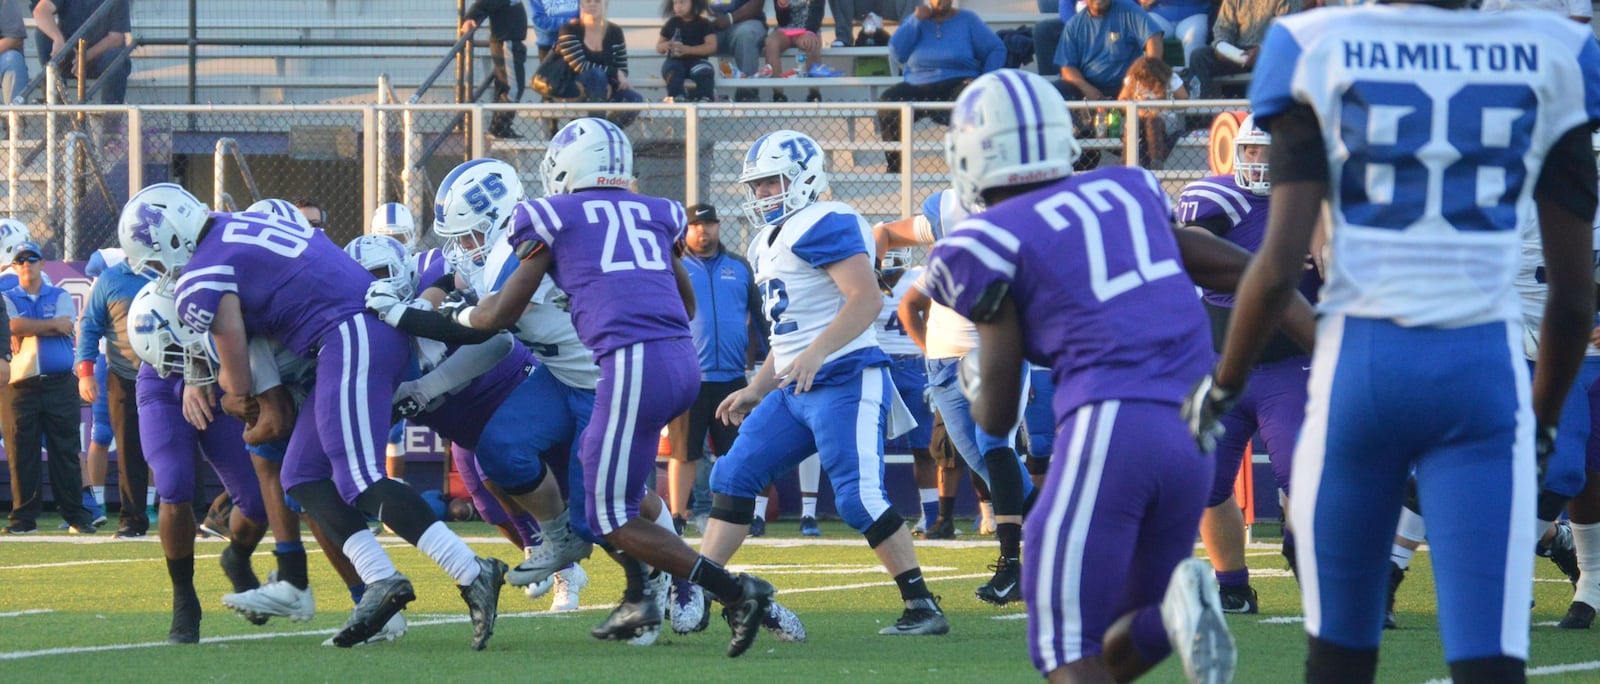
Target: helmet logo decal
x,y
800,150
149,216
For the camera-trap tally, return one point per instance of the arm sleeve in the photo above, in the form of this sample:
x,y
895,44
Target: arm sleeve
x,y
618,47
459,369
264,373
435,326
1569,174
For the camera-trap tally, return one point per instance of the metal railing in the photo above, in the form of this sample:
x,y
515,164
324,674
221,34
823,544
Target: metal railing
x,y
350,156
228,148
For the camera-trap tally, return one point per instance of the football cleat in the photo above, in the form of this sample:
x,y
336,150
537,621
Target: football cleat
x,y
1561,551
569,582
537,589
1580,615
690,607
273,599
631,621
1192,613
392,630
658,589
1239,600
745,616
383,599
758,527
483,600
784,624
1396,576
1005,586
236,568
809,527
921,617
185,618
561,548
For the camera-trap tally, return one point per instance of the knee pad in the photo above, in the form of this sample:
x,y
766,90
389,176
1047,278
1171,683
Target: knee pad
x,y
884,527
735,510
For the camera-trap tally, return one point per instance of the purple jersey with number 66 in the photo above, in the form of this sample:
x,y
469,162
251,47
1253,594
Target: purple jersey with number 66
x,y
1100,289
612,254
299,286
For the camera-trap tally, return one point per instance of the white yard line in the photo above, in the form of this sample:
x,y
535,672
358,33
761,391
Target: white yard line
x,y
20,613
428,622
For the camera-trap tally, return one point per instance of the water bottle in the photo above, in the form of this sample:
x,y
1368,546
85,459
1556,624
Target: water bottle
x,y
1114,123
803,67
677,40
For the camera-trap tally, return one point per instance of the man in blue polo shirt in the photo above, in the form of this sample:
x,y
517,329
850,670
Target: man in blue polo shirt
x,y
44,400
1098,45
106,317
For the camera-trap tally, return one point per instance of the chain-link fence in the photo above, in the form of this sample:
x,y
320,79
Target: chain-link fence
x,y
69,169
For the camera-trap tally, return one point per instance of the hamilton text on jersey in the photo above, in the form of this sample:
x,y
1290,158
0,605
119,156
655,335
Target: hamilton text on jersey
x,y
1373,54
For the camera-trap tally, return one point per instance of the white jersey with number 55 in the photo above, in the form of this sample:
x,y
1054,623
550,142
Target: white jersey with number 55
x,y
1436,124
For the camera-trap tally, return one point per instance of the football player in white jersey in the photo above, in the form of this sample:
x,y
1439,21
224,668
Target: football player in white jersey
x,y
910,373
825,386
1431,134
947,338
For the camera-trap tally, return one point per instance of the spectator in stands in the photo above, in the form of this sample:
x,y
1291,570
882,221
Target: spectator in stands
x,y
847,12
1100,43
741,28
59,19
1187,20
1235,42
1151,79
1581,11
13,66
687,39
942,48
105,317
595,51
548,18
508,32
312,210
44,398
798,25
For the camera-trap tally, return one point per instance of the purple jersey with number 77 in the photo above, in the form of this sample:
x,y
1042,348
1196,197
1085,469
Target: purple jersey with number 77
x,y
300,286
612,253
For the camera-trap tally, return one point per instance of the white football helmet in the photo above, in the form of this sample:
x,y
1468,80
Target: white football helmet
x,y
283,209
587,153
386,258
473,208
895,261
12,234
1251,176
1009,127
159,227
800,166
394,220
153,329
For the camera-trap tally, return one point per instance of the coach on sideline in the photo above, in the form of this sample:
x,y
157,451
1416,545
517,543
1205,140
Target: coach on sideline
x,y
43,405
106,317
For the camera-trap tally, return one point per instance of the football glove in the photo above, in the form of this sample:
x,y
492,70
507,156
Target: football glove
x,y
385,302
458,307
1203,410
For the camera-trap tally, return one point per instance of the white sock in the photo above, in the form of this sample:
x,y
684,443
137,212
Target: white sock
x,y
150,496
761,508
452,554
395,451
986,510
808,506
371,561
99,494
810,473
1411,526
664,520
1541,530
928,495
1586,537
1401,556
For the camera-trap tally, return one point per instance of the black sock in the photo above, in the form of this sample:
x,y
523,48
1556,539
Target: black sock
x,y
292,568
947,504
181,570
911,585
635,572
1010,536
1330,663
709,574
1497,669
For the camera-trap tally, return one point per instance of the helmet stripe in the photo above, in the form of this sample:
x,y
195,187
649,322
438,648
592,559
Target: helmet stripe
x,y
1023,124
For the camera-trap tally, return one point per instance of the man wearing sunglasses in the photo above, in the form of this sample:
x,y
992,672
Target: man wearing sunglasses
x,y
44,397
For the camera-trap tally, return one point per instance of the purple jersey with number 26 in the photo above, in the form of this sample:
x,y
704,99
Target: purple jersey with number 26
x,y
298,285
613,256
1100,289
